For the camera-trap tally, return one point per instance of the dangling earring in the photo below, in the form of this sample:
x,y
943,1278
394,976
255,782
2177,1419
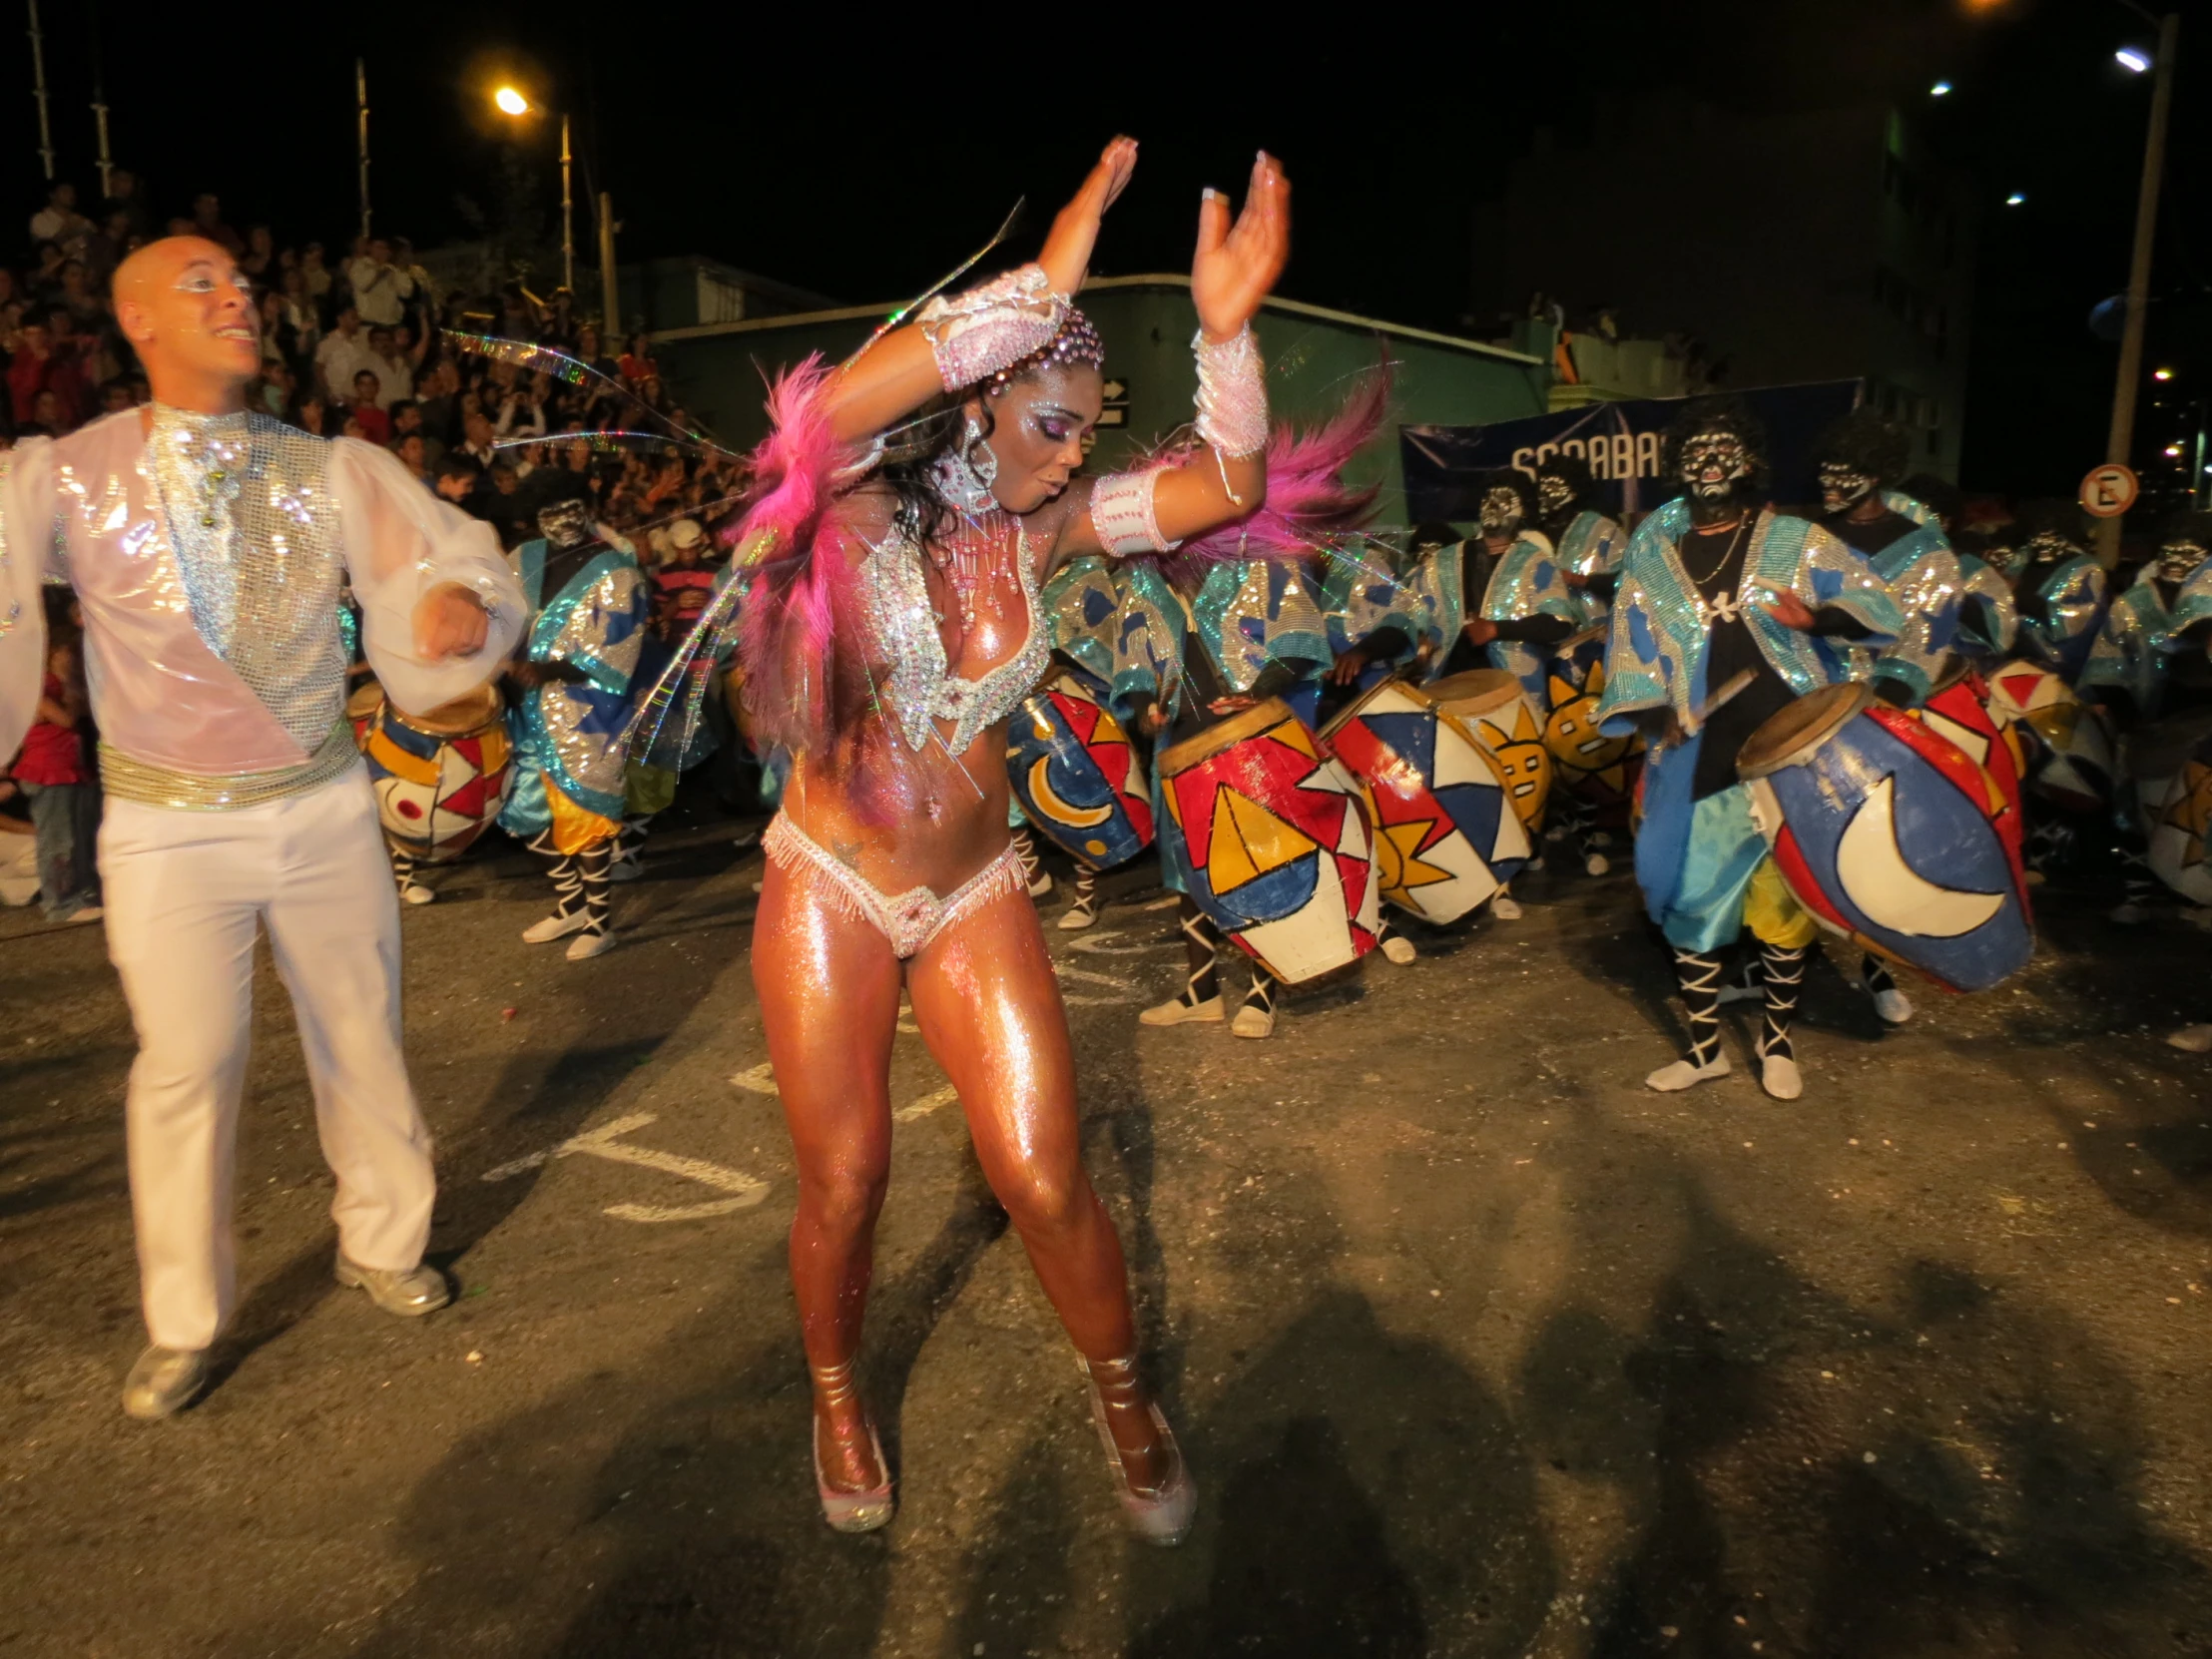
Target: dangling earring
x,y
964,476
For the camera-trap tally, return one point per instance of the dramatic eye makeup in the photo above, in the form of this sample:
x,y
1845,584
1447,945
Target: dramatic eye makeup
x,y
1053,424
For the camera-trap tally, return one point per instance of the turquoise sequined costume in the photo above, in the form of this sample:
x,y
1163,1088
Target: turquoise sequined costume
x,y
1923,577
2133,647
1531,581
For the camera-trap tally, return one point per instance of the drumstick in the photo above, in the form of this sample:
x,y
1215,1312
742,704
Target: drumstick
x,y
1729,688
1574,642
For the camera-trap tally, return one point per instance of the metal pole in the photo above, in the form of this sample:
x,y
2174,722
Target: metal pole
x,y
38,88
2196,466
2122,436
612,304
360,102
100,104
567,223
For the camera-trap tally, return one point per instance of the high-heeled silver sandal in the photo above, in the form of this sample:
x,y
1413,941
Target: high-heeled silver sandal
x,y
848,1511
1164,1518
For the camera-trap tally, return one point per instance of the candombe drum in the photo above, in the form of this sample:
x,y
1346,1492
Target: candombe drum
x,y
1445,835
1077,777
1884,831
2173,772
1958,709
361,710
2071,760
441,777
1602,770
1492,704
1271,835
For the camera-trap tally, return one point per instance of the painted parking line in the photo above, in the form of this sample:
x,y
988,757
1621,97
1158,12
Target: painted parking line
x,y
742,1190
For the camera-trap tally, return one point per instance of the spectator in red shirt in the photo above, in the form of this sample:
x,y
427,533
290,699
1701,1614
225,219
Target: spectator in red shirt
x,y
52,773
375,425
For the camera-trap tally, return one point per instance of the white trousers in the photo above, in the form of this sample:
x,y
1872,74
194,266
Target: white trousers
x,y
185,891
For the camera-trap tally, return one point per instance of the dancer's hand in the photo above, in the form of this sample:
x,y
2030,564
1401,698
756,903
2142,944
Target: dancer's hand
x,y
1479,630
1789,610
450,621
1236,265
1067,250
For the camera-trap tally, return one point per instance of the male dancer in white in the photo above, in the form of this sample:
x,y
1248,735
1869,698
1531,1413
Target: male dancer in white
x,y
207,547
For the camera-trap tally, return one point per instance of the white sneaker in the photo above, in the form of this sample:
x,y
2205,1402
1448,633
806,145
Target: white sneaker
x,y
414,892
1597,864
1506,907
1253,1021
1555,832
2192,1039
1040,884
627,869
2129,914
1685,1074
1175,1012
1779,1076
1077,918
1536,863
1893,1006
585,946
1400,949
83,913
555,926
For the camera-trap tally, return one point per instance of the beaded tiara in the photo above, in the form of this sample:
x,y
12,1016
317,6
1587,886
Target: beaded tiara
x,y
1076,341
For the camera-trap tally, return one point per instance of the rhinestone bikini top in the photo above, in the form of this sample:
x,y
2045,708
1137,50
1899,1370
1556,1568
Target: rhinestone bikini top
x,y
921,685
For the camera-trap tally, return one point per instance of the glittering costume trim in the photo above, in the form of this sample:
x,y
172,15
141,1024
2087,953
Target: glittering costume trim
x,y
149,785
1232,394
1124,516
976,333
921,685
908,920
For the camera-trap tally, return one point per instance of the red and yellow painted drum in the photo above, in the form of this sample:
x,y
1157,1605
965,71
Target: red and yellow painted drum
x,y
1958,709
441,777
361,710
1889,834
1602,770
1077,777
1492,705
2172,763
1269,834
2069,746
1445,834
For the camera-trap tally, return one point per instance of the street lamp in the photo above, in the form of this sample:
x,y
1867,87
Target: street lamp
x,y
1942,89
510,102
2135,60
2016,199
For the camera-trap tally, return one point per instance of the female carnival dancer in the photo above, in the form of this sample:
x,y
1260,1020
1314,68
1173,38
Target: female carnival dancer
x,y
917,499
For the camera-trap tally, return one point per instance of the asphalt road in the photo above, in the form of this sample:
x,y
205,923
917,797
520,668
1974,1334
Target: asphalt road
x,y
1476,1347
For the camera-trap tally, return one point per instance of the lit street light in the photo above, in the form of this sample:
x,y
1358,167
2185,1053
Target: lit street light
x,y
1942,89
2135,60
2161,374
2014,200
512,103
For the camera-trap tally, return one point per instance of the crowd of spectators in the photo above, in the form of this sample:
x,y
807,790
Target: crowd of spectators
x,y
358,345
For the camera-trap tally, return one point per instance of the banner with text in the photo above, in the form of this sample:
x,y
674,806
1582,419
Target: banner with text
x,y
1621,442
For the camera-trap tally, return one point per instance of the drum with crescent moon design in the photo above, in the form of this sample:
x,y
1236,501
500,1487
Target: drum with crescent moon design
x,y
441,777
1445,834
1271,836
1494,705
1889,834
1077,776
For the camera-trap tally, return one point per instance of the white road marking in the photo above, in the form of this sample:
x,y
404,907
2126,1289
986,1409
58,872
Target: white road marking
x,y
1094,944
927,1103
744,1190
760,1079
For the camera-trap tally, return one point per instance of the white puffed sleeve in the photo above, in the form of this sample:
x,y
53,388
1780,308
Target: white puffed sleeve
x,y
26,549
400,542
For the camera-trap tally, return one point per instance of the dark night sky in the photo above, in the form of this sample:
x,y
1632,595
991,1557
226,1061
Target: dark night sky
x,y
862,162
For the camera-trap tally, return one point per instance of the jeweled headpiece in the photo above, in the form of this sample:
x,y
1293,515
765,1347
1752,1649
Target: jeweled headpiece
x,y
1075,342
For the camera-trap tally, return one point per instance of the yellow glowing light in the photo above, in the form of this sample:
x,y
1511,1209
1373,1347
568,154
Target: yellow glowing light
x,y
2161,374
511,101
2173,448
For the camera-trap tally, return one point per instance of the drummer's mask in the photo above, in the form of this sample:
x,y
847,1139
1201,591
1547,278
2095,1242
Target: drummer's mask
x,y
1844,486
2047,544
2179,558
2004,557
1500,512
1715,464
565,524
1554,495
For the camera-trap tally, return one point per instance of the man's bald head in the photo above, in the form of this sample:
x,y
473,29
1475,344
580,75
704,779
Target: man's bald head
x,y
184,304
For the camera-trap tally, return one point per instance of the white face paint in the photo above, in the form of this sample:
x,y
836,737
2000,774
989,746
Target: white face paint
x,y
2048,544
1714,464
2178,560
1553,497
565,523
1843,487
1500,512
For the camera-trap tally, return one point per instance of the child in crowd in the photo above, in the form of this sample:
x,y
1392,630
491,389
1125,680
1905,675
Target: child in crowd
x,y
54,775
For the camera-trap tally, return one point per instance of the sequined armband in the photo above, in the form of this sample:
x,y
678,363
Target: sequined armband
x,y
973,335
1232,394
1123,513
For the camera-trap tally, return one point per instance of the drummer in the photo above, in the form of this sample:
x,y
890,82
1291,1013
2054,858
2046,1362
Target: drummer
x,y
1771,609
1591,545
573,690
2192,647
2130,679
1082,609
2058,589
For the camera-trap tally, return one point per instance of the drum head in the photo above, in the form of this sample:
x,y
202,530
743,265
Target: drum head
x,y
1225,733
1475,691
1788,735
1955,669
1382,688
368,698
465,714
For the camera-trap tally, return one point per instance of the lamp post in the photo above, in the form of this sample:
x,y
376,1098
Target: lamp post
x,y
360,105
511,101
2122,435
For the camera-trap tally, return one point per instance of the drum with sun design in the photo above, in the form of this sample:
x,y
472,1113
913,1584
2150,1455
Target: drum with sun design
x,y
1601,770
1445,835
1270,837
1494,706
1891,836
1077,777
441,777
2069,747
2172,763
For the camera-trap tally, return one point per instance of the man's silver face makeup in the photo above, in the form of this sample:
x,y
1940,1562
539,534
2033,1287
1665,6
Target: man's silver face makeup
x,y
565,523
2048,544
1552,494
1843,487
1714,464
1500,512
2003,558
2178,560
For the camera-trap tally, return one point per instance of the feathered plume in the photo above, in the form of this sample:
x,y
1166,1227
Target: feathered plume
x,y
1308,507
